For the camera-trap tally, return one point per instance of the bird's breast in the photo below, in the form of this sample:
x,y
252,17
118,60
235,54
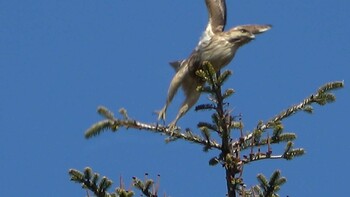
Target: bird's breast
x,y
218,52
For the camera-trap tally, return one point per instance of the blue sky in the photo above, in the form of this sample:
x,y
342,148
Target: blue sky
x,y
59,60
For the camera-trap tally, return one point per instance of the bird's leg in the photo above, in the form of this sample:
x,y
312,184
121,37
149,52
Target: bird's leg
x,y
190,100
182,111
174,86
162,112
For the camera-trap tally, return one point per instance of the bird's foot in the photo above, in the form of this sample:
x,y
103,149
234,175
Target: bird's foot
x,y
172,128
162,114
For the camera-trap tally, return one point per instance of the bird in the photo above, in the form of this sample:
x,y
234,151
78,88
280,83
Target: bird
x,y
216,46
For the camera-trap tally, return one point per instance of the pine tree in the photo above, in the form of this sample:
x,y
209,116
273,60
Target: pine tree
x,y
255,145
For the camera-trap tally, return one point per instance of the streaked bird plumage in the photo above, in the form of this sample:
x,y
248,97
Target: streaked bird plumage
x,y
215,46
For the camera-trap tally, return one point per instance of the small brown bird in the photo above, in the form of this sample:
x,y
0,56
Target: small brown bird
x,y
215,46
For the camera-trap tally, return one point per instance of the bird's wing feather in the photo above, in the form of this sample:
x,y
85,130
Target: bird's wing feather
x,y
216,24
217,15
217,20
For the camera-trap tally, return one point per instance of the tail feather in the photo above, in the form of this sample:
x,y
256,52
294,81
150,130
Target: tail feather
x,y
176,65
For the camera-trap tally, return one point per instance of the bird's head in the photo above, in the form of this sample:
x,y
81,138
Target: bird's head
x,y
245,33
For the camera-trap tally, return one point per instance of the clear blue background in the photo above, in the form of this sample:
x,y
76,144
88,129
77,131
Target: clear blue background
x,y
59,60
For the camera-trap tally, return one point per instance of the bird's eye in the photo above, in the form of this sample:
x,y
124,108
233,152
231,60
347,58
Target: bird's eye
x,y
243,31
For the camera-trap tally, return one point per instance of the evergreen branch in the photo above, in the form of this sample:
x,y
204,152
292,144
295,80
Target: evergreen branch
x,y
123,193
288,147
237,125
213,161
99,127
331,86
274,177
275,183
204,107
207,125
308,109
204,89
89,180
223,77
114,124
144,186
105,184
205,132
321,97
222,121
209,74
290,153
294,153
260,156
87,173
271,187
105,112
76,176
228,93
255,191
285,137
263,181
85,180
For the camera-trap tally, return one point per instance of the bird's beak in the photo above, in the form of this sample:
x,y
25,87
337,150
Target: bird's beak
x,y
252,36
256,29
264,28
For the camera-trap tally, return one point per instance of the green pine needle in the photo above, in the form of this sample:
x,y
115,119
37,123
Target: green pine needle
x,y
148,184
87,173
274,177
223,77
213,161
263,181
228,93
208,68
204,107
288,147
95,178
207,125
205,132
105,112
99,127
331,86
294,153
285,137
204,89
76,176
202,75
308,108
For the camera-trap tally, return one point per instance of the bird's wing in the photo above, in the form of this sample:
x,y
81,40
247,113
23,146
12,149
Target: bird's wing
x,y
216,24
217,20
217,16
